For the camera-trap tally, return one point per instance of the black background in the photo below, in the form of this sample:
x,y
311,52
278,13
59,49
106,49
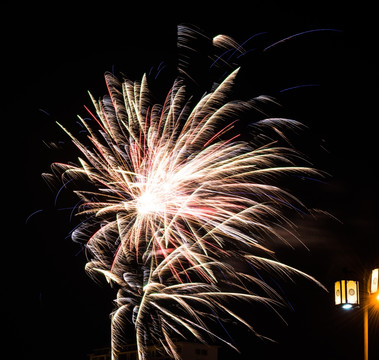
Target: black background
x,y
54,53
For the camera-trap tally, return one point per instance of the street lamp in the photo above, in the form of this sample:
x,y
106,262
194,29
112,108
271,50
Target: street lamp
x,y
371,293
346,295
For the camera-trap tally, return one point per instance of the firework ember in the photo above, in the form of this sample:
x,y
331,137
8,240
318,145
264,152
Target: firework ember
x,y
174,200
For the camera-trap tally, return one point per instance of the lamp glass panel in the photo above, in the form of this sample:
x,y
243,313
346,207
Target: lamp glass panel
x,y
343,291
337,293
374,281
352,292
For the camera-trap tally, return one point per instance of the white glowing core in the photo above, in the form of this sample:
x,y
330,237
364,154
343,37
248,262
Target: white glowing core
x,y
151,202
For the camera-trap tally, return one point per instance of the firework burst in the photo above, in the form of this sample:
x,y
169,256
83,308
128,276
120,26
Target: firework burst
x,y
176,199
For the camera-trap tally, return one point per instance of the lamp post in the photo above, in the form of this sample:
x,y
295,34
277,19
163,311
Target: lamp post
x,y
346,295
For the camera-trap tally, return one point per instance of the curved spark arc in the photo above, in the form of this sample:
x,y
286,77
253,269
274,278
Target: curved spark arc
x,y
176,199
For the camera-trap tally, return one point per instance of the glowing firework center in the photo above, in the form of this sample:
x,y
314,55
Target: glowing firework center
x,y
155,198
151,202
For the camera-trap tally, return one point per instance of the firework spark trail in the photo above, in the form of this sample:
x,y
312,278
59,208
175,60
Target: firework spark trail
x,y
177,199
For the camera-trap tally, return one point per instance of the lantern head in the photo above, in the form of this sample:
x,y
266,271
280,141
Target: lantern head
x,y
346,293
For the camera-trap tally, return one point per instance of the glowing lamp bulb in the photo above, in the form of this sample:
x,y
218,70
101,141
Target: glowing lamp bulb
x,y
347,306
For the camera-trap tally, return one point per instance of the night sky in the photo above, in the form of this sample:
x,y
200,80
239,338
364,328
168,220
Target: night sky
x,y
53,56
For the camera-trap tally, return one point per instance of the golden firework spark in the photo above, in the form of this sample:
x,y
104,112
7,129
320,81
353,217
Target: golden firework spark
x,y
177,200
